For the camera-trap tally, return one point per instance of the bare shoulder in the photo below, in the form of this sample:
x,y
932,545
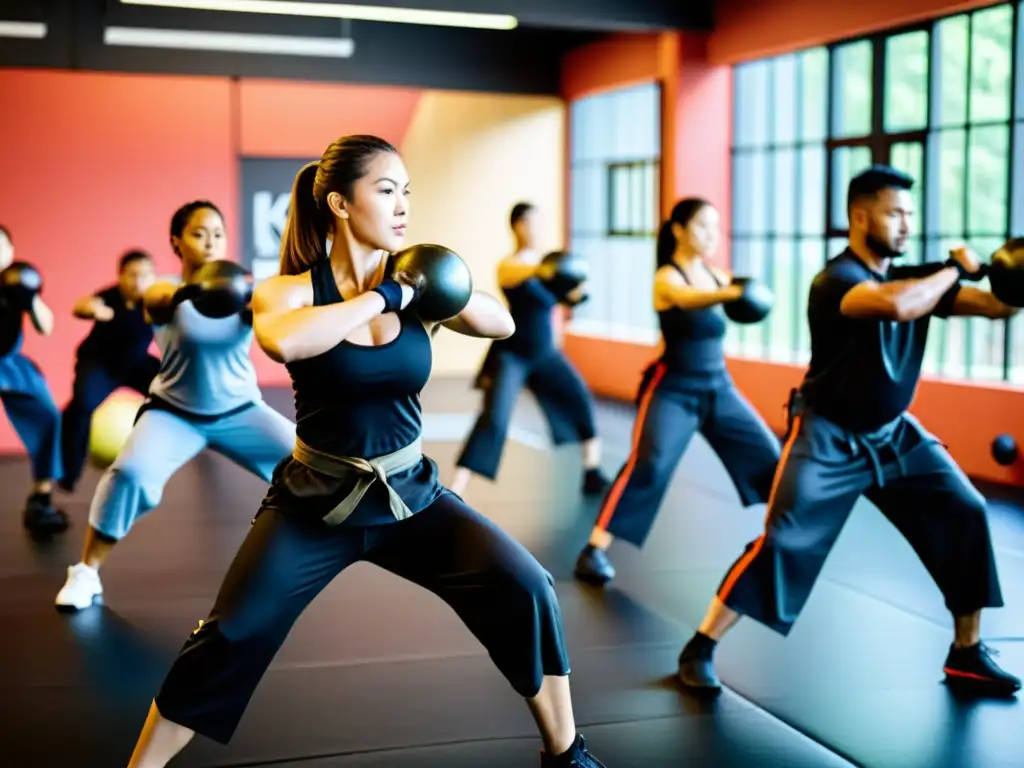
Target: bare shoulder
x,y
282,293
509,260
668,275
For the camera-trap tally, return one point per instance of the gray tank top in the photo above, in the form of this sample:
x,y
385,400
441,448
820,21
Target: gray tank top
x,y
205,367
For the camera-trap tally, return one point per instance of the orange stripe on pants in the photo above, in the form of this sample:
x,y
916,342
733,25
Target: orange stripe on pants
x,y
611,501
744,562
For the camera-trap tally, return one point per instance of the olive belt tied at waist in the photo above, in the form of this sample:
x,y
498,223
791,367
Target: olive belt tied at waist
x,y
368,471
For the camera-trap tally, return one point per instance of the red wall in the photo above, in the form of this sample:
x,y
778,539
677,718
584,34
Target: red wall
x,y
95,164
697,127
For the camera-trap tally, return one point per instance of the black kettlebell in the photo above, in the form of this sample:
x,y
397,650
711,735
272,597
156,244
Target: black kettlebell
x,y
1004,449
754,305
20,283
570,272
1006,273
221,289
444,280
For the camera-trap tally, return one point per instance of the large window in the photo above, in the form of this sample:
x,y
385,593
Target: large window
x,y
940,100
615,141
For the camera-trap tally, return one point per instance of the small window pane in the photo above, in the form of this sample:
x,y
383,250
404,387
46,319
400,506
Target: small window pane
x,y
987,179
759,193
1017,350
1017,161
811,187
751,104
588,197
783,104
784,189
951,147
1019,59
814,94
620,188
847,162
852,68
785,310
812,260
642,107
991,63
987,337
906,82
951,105
742,192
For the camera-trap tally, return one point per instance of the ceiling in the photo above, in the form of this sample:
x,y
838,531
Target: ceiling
x,y
78,35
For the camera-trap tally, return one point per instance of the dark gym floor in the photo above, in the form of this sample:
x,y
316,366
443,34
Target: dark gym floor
x,y
377,673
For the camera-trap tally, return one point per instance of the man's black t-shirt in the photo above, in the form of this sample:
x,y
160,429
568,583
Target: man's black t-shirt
x,y
863,373
121,341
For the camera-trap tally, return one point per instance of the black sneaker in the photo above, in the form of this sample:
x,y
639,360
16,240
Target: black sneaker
x,y
595,482
41,517
593,566
971,670
697,666
576,757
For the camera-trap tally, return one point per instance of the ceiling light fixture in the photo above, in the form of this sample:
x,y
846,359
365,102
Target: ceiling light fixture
x,y
233,42
25,29
344,11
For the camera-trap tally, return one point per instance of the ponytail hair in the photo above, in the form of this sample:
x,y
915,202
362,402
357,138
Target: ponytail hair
x,y
682,213
344,162
666,244
305,231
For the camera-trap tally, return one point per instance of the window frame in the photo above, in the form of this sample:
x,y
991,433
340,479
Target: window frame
x,y
880,144
633,166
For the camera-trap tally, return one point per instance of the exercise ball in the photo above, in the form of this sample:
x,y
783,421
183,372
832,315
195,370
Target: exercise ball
x,y
112,423
1004,450
446,284
1006,273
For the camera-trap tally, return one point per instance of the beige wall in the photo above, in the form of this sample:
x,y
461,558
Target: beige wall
x,y
471,157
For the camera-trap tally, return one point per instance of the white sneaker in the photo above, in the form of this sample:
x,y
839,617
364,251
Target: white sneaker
x,y
81,588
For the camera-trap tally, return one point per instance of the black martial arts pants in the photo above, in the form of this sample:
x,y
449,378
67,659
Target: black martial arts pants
x,y
560,391
901,468
95,380
502,594
667,419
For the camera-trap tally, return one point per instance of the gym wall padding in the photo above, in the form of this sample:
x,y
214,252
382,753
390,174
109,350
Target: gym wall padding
x,y
95,163
697,128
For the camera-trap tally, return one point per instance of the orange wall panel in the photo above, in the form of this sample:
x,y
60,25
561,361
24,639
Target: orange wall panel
x,y
614,62
752,29
292,119
95,164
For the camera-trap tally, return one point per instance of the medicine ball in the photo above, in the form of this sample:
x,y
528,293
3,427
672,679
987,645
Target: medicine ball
x,y
1006,273
446,284
112,423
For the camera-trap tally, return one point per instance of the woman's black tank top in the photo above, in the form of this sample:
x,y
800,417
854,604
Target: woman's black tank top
x,y
359,402
694,354
530,305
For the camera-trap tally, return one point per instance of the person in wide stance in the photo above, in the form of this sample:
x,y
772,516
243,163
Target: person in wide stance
x,y
850,435
357,485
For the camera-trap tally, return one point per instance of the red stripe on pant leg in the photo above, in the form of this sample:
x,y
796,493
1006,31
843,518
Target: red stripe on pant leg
x,y
611,501
744,562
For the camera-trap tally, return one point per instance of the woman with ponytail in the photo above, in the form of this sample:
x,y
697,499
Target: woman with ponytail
x,y
204,395
685,391
357,485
